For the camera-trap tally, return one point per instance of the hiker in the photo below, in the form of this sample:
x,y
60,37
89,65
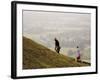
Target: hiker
x,y
78,54
57,46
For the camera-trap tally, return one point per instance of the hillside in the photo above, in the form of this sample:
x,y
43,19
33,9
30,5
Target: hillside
x,y
37,56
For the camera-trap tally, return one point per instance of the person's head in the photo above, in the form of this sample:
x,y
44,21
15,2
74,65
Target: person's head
x,y
77,46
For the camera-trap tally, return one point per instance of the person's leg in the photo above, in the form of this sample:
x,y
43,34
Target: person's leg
x,y
58,49
78,58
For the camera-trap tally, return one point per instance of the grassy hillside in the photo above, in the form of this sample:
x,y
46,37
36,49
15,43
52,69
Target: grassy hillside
x,y
37,56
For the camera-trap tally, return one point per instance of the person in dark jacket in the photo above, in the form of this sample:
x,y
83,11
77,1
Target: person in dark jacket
x,y
57,46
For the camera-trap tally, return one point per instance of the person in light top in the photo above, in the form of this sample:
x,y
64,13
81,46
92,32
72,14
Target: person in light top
x,y
78,57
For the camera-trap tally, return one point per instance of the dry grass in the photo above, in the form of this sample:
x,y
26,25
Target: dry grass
x,y
36,56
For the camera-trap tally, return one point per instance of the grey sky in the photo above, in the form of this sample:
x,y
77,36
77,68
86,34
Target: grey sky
x,y
71,29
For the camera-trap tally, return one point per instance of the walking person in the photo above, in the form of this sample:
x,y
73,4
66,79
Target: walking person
x,y
57,46
78,57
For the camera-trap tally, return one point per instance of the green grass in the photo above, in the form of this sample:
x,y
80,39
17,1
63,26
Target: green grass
x,y
37,56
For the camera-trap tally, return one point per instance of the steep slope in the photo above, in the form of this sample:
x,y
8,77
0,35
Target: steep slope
x,y
37,56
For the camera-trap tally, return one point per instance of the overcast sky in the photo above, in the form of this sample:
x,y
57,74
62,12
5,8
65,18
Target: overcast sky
x,y
71,29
